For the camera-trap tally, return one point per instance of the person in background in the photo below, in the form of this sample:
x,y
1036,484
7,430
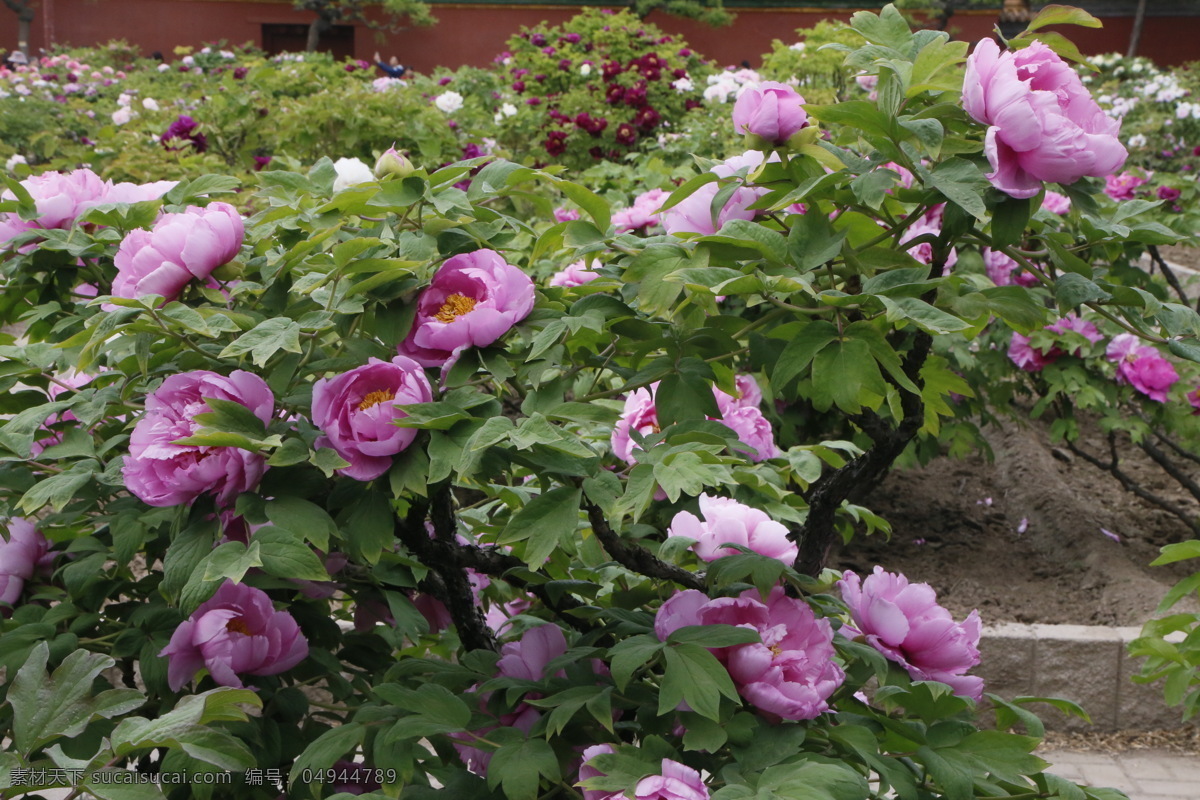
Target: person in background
x,y
392,68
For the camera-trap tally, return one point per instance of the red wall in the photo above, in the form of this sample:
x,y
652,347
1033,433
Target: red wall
x,y
475,34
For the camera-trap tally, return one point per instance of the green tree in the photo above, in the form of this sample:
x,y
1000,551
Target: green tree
x,y
399,14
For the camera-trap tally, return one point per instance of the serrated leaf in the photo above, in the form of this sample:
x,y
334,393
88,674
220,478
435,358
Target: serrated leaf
x,y
48,707
265,340
544,523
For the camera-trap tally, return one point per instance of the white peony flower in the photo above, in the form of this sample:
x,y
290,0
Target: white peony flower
x,y
12,162
585,69
449,102
150,104
122,115
124,100
1137,140
683,85
508,110
351,172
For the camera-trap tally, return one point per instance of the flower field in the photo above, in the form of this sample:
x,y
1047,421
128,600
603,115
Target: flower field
x,y
488,434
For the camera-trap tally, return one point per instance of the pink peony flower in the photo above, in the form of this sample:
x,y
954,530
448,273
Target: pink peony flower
x,y
474,299
1193,398
59,198
790,674
1001,269
677,782
162,473
586,771
356,410
929,223
1027,357
525,659
22,549
728,522
1140,366
643,214
739,415
135,192
772,111
904,622
695,214
577,273
1083,327
178,249
1042,123
1056,203
1123,186
236,631
563,214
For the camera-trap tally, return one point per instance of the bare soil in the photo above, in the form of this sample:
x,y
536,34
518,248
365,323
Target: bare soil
x,y
957,525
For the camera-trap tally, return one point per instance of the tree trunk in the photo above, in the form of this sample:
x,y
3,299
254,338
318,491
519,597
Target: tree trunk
x,y
314,35
1135,35
24,22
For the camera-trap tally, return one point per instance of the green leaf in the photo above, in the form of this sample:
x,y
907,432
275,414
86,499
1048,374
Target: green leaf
x,y
231,417
927,317
1062,15
265,340
713,635
813,241
519,767
1177,552
58,490
371,527
302,518
688,474
544,523
285,556
630,655
1072,290
886,28
695,676
60,705
231,561
845,374
1009,219
199,189
800,351
588,200
963,183
684,396
1184,349
435,709
323,751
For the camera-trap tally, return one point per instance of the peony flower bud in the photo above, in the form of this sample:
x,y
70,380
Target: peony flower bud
x,y
393,162
771,111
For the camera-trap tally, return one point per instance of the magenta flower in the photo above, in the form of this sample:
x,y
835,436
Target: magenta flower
x,y
790,674
1001,269
356,411
696,214
1056,203
235,632
526,660
1140,366
1042,123
474,299
563,214
22,549
179,248
162,473
1083,327
1193,398
586,771
772,111
1123,186
59,198
677,782
739,415
727,522
904,622
642,214
577,273
1028,357
181,133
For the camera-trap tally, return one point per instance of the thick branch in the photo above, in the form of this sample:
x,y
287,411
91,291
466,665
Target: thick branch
x,y
1172,469
636,558
1157,259
1113,467
826,495
459,600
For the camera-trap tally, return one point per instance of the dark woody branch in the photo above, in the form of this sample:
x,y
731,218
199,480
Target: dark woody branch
x,y
636,558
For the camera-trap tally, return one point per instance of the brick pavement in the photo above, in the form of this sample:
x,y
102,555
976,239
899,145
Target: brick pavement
x,y
1141,774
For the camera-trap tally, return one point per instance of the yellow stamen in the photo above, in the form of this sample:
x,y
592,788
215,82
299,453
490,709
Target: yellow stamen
x,y
375,398
455,306
238,625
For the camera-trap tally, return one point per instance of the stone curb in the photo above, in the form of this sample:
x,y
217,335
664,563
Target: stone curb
x,y
1084,663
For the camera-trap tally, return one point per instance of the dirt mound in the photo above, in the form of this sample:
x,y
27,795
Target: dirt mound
x,y
1023,538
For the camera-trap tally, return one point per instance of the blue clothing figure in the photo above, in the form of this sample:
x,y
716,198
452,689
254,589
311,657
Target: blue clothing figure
x,y
392,68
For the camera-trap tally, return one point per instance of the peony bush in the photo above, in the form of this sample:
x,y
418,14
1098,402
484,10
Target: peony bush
x,y
358,481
